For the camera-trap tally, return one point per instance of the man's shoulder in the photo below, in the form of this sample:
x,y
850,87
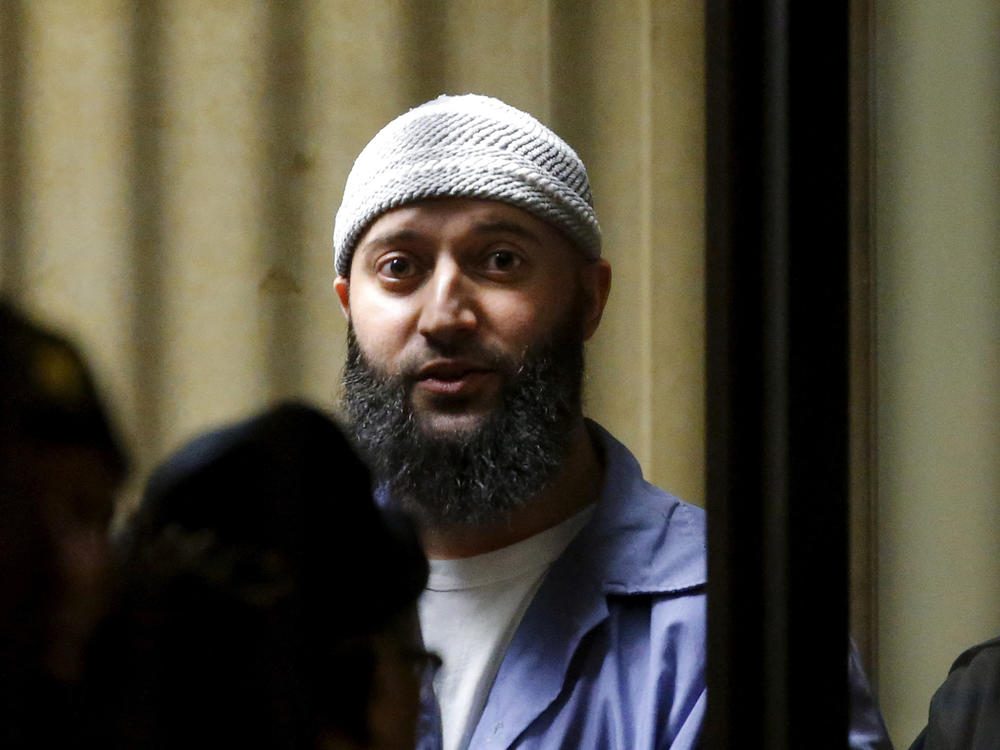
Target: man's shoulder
x,y
985,655
975,675
963,711
647,540
623,473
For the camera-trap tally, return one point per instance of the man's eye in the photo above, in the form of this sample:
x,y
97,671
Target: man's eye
x,y
503,260
397,267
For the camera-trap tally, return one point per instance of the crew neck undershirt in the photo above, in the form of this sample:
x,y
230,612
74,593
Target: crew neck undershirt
x,y
470,611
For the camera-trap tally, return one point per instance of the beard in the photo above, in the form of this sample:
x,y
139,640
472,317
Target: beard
x,y
475,476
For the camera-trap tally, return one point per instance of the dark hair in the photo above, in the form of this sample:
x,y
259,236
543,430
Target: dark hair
x,y
48,393
254,564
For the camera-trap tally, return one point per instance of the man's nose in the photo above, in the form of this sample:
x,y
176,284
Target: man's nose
x,y
449,310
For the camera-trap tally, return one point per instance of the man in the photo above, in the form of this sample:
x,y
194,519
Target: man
x,y
566,596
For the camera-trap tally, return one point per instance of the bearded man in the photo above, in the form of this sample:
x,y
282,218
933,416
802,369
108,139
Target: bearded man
x,y
566,595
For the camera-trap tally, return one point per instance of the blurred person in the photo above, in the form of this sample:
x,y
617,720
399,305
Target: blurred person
x,y
264,601
964,713
60,466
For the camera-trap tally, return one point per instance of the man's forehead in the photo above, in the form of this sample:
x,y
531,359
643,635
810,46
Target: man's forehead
x,y
465,215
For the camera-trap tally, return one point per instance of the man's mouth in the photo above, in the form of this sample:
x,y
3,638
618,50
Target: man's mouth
x,y
452,377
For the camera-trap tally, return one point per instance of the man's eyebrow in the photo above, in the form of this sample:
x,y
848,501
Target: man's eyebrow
x,y
389,238
498,226
505,226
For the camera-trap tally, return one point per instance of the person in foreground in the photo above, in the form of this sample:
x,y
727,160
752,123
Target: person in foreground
x,y
61,463
965,711
566,594
265,601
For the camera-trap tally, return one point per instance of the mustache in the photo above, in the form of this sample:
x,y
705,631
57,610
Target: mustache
x,y
468,351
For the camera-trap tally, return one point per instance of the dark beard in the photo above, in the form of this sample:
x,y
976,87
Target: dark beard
x,y
477,476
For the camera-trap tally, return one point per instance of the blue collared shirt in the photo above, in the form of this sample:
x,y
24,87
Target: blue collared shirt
x,y
611,652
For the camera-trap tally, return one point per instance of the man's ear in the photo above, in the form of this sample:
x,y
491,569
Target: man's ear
x,y
342,285
596,280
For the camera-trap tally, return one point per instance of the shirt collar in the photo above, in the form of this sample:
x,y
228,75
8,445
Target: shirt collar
x,y
666,548
640,540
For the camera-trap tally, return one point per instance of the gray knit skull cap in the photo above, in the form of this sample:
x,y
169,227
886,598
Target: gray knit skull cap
x,y
468,146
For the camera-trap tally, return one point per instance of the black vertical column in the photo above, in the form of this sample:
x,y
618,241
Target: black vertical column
x,y
777,275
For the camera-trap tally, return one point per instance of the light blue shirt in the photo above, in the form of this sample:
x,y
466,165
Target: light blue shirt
x,y
611,652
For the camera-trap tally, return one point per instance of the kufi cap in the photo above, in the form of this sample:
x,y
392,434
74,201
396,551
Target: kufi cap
x,y
468,146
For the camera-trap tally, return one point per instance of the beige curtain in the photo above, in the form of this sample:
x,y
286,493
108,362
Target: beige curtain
x,y
171,170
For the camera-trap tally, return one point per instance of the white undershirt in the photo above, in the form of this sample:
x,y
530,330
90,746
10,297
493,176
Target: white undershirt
x,y
469,613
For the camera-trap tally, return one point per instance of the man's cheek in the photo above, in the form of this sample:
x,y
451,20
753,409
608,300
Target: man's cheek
x,y
377,355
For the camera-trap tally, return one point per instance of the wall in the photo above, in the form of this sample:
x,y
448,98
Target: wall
x,y
171,170
937,216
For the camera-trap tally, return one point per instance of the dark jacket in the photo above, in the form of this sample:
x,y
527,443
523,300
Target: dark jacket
x,y
965,710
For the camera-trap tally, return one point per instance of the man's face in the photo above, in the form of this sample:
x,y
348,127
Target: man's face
x,y
450,295
465,355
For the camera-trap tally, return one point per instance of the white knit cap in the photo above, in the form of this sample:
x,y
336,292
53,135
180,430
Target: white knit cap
x,y
467,146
